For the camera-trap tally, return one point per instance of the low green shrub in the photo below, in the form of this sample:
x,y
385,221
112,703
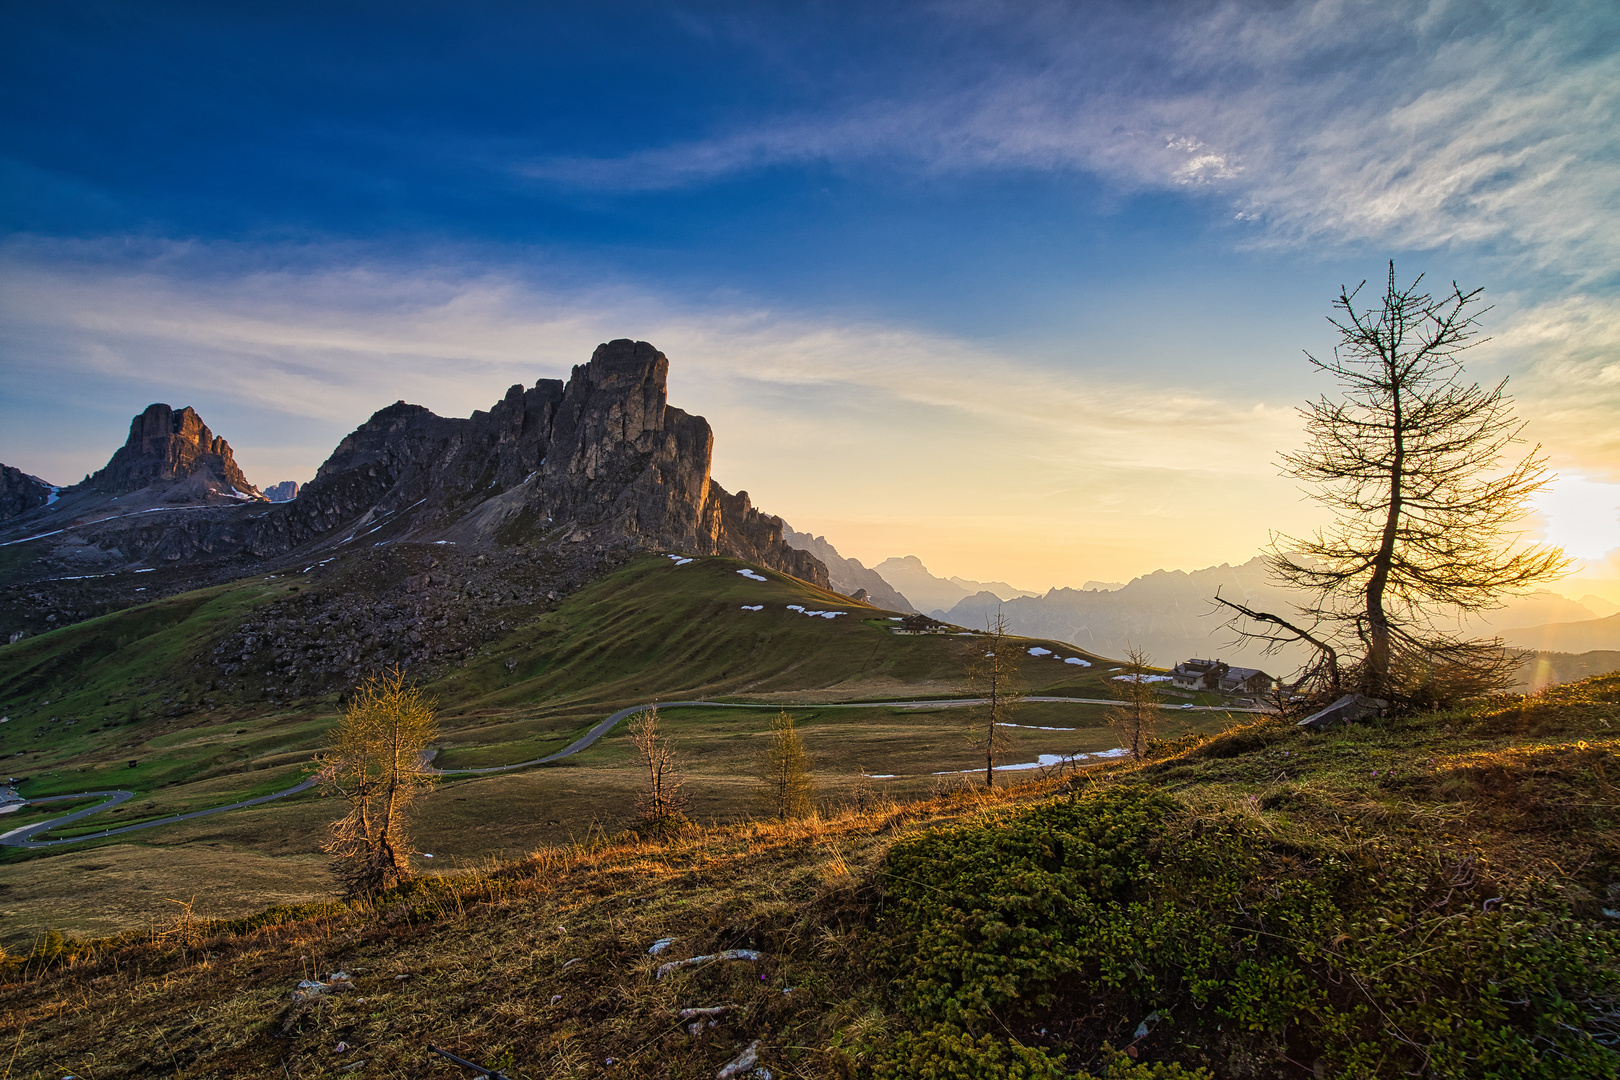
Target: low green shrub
x,y
1025,947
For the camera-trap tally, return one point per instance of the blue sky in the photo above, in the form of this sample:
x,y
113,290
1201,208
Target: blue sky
x,y
1019,288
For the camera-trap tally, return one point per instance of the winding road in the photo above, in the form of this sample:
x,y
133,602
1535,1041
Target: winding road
x,y
23,836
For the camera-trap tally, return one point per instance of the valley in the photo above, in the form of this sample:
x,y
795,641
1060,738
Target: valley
x,y
649,630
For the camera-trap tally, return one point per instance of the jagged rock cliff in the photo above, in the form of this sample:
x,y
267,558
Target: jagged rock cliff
x,y
600,464
171,448
286,491
602,459
20,492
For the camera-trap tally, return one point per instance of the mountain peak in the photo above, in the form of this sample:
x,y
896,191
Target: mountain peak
x,y
170,446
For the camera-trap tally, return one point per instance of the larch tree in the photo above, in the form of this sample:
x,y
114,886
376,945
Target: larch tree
x,y
662,806
1136,718
786,786
992,674
1412,460
376,762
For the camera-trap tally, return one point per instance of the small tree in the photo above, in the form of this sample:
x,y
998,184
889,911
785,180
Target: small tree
x,y
786,787
1136,718
376,763
662,805
1410,461
992,674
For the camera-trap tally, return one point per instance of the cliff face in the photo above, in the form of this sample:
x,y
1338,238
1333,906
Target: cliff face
x,y
603,459
21,493
168,446
602,462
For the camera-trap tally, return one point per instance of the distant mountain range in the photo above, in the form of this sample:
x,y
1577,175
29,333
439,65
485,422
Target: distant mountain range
x,y
1585,635
849,576
929,593
1170,614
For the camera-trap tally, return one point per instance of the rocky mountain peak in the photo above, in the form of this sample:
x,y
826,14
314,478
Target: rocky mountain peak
x,y
21,493
170,446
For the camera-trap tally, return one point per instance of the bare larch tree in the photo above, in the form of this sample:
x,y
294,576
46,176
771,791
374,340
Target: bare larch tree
x,y
1411,460
992,674
1136,718
662,806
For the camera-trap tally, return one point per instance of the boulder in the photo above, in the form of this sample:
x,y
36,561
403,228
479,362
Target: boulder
x,y
1348,709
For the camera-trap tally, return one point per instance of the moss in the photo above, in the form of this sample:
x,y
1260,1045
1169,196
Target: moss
x,y
1121,917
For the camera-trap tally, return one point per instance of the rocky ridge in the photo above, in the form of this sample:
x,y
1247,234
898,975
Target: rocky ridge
x,y
601,462
172,448
21,493
849,576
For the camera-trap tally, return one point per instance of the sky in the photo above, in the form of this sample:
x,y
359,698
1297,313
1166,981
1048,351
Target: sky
x,y
1022,289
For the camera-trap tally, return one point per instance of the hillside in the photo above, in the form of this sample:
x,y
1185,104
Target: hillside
x,y
222,694
1426,896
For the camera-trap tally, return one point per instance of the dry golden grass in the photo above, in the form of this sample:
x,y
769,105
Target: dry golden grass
x,y
539,966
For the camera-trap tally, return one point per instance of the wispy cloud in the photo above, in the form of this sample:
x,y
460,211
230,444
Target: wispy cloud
x,y
1412,125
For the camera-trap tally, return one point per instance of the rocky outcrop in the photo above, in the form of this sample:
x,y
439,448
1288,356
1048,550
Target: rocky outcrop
x,y
21,493
171,447
601,461
286,491
849,576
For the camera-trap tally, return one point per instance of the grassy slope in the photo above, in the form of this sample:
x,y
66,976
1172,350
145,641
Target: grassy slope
x,y
1420,896
648,630
137,685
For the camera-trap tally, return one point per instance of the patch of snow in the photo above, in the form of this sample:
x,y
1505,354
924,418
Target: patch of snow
x,y
881,776
436,542
753,607
145,570
751,576
660,945
896,618
1046,761
1038,651
796,607
50,500
832,614
1141,678
1078,661
1033,727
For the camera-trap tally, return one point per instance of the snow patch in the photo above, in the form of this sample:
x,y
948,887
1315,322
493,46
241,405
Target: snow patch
x,y
1141,678
1033,727
753,607
1038,651
816,614
751,576
1046,761
1077,661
